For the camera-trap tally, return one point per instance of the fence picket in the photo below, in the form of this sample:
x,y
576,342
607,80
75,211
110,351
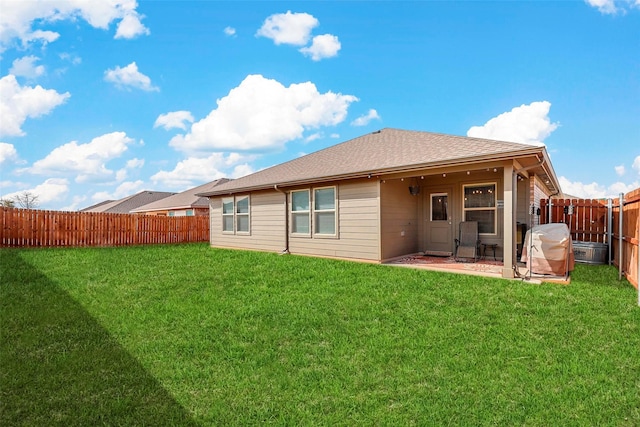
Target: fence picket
x,y
30,228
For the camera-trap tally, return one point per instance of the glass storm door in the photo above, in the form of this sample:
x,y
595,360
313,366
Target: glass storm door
x,y
438,221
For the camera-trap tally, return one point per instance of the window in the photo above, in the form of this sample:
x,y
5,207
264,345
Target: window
x,y
242,214
480,205
324,211
189,212
227,215
235,215
313,212
300,212
439,202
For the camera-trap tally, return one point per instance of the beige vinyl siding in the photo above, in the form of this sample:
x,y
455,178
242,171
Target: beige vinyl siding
x,y
523,202
540,191
398,219
267,224
358,225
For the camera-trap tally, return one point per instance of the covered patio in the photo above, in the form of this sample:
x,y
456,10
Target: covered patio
x,y
486,266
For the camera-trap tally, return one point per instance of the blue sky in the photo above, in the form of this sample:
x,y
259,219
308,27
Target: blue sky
x,y
100,100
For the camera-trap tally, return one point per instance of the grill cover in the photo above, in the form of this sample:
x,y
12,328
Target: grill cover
x,y
551,250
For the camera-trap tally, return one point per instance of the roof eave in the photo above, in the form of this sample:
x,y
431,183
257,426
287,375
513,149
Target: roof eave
x,y
534,150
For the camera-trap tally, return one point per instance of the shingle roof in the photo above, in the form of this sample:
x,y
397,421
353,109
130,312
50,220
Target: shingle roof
x,y
185,200
384,151
125,205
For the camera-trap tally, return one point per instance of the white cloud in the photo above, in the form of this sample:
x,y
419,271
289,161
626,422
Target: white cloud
x,y
17,103
288,28
604,6
313,137
610,7
324,46
75,203
527,124
52,190
365,119
123,173
129,77
174,119
636,164
619,170
262,114
26,67
195,170
594,190
87,161
241,170
73,58
8,153
135,163
125,189
131,27
18,18
230,31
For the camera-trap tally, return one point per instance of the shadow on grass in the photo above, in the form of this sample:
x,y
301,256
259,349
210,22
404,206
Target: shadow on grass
x,y
58,366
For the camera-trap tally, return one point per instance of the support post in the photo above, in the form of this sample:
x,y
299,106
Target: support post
x,y
508,220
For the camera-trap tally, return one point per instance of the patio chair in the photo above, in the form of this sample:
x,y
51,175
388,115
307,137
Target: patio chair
x,y
468,245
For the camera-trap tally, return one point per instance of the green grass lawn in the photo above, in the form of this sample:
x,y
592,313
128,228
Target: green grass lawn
x,y
189,335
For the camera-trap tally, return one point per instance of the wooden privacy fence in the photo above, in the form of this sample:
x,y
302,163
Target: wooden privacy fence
x,y
600,221
31,228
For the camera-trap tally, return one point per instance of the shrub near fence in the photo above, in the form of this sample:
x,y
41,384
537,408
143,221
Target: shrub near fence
x,y
32,228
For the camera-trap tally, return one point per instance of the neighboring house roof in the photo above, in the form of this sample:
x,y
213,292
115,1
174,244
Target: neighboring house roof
x,y
93,208
126,204
388,151
185,200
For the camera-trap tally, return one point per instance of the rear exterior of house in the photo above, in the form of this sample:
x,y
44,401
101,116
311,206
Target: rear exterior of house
x,y
376,211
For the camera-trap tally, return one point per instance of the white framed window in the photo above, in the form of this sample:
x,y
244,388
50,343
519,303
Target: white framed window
x,y
313,212
324,211
301,212
242,215
236,215
479,204
189,212
227,215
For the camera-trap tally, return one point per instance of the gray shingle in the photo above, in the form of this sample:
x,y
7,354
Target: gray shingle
x,y
382,151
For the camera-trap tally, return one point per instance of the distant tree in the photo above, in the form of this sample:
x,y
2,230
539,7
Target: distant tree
x,y
7,203
26,200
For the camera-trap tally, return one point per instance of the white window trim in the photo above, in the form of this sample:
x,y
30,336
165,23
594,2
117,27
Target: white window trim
x,y
293,213
312,214
495,206
235,214
232,215
334,210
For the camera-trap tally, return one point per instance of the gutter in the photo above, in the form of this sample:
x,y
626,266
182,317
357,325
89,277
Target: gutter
x,y
286,220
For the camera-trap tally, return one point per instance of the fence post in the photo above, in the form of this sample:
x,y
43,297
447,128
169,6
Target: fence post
x,y
609,226
621,240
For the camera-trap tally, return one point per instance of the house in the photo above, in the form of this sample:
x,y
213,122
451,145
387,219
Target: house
x,y
126,204
386,194
181,204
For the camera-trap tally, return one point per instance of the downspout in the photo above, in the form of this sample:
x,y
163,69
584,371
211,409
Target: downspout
x,y
286,220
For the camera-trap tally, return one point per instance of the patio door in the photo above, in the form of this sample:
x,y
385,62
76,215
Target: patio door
x,y
438,228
